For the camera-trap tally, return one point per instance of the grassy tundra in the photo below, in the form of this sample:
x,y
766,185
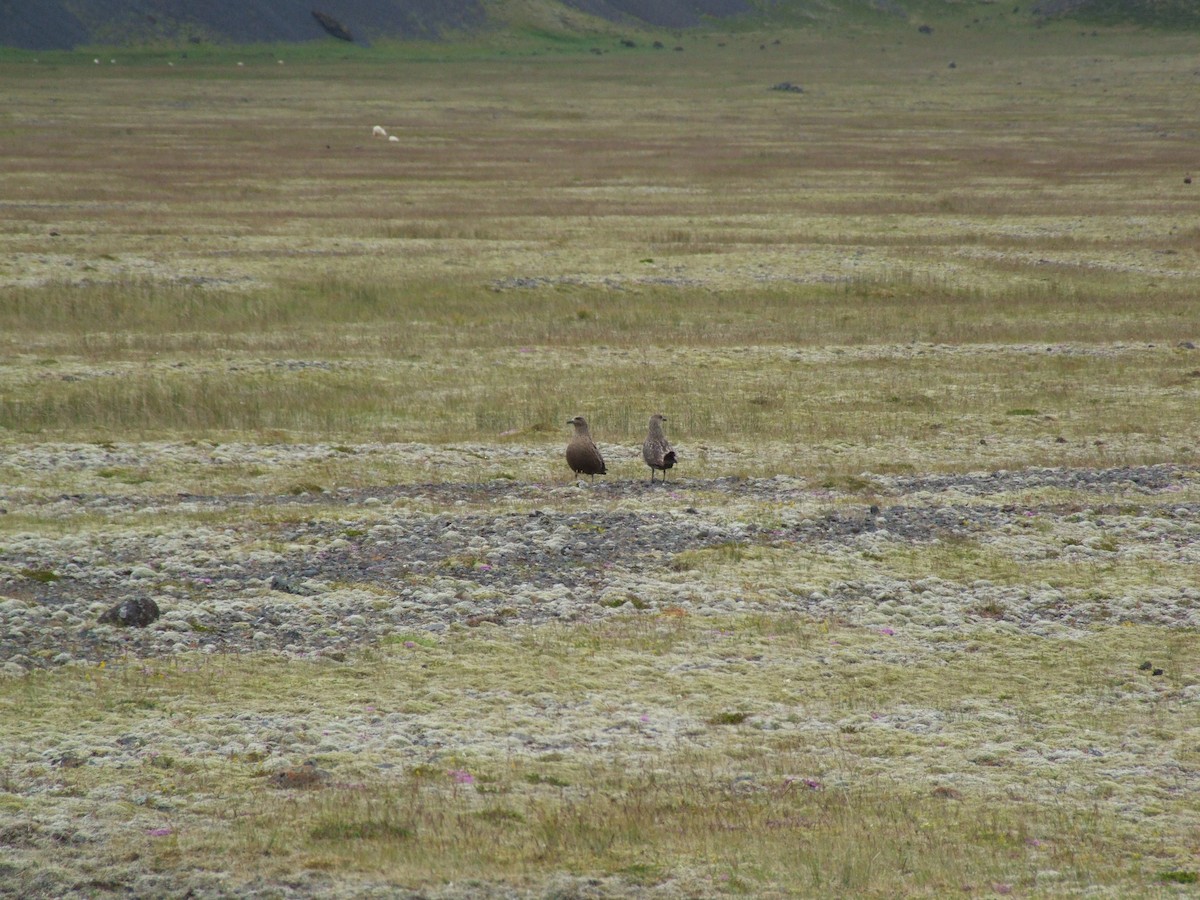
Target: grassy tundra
x,y
910,268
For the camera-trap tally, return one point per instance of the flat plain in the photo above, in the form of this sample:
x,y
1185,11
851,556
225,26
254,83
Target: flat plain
x,y
915,615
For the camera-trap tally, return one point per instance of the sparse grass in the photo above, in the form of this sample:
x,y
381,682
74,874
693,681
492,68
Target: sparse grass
x,y
948,410
890,777
907,268
960,561
399,268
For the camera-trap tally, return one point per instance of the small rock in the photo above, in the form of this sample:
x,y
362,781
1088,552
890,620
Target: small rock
x,y
288,585
135,613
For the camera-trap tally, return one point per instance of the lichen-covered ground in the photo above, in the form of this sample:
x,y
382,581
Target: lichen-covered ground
x,y
915,616
1008,634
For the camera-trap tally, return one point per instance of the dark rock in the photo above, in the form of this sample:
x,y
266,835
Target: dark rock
x,y
286,585
135,613
787,86
333,26
926,29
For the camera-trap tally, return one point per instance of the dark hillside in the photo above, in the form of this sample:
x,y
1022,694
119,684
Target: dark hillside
x,y
63,24
54,24
1154,13
48,25
40,26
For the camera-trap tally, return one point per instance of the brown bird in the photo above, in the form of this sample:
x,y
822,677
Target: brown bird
x,y
656,450
582,454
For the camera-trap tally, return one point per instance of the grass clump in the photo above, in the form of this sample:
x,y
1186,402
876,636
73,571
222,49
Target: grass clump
x,y
42,576
729,718
1179,876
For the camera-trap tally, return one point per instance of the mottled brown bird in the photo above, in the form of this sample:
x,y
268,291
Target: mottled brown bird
x,y
656,450
583,456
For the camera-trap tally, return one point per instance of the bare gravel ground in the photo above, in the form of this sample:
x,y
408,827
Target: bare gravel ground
x,y
328,572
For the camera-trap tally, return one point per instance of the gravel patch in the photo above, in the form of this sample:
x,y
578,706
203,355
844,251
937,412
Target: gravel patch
x,y
326,572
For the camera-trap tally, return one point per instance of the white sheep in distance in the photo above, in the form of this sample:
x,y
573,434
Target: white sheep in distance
x,y
378,131
393,139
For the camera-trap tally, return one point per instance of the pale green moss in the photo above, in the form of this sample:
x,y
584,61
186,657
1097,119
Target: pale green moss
x,y
742,734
